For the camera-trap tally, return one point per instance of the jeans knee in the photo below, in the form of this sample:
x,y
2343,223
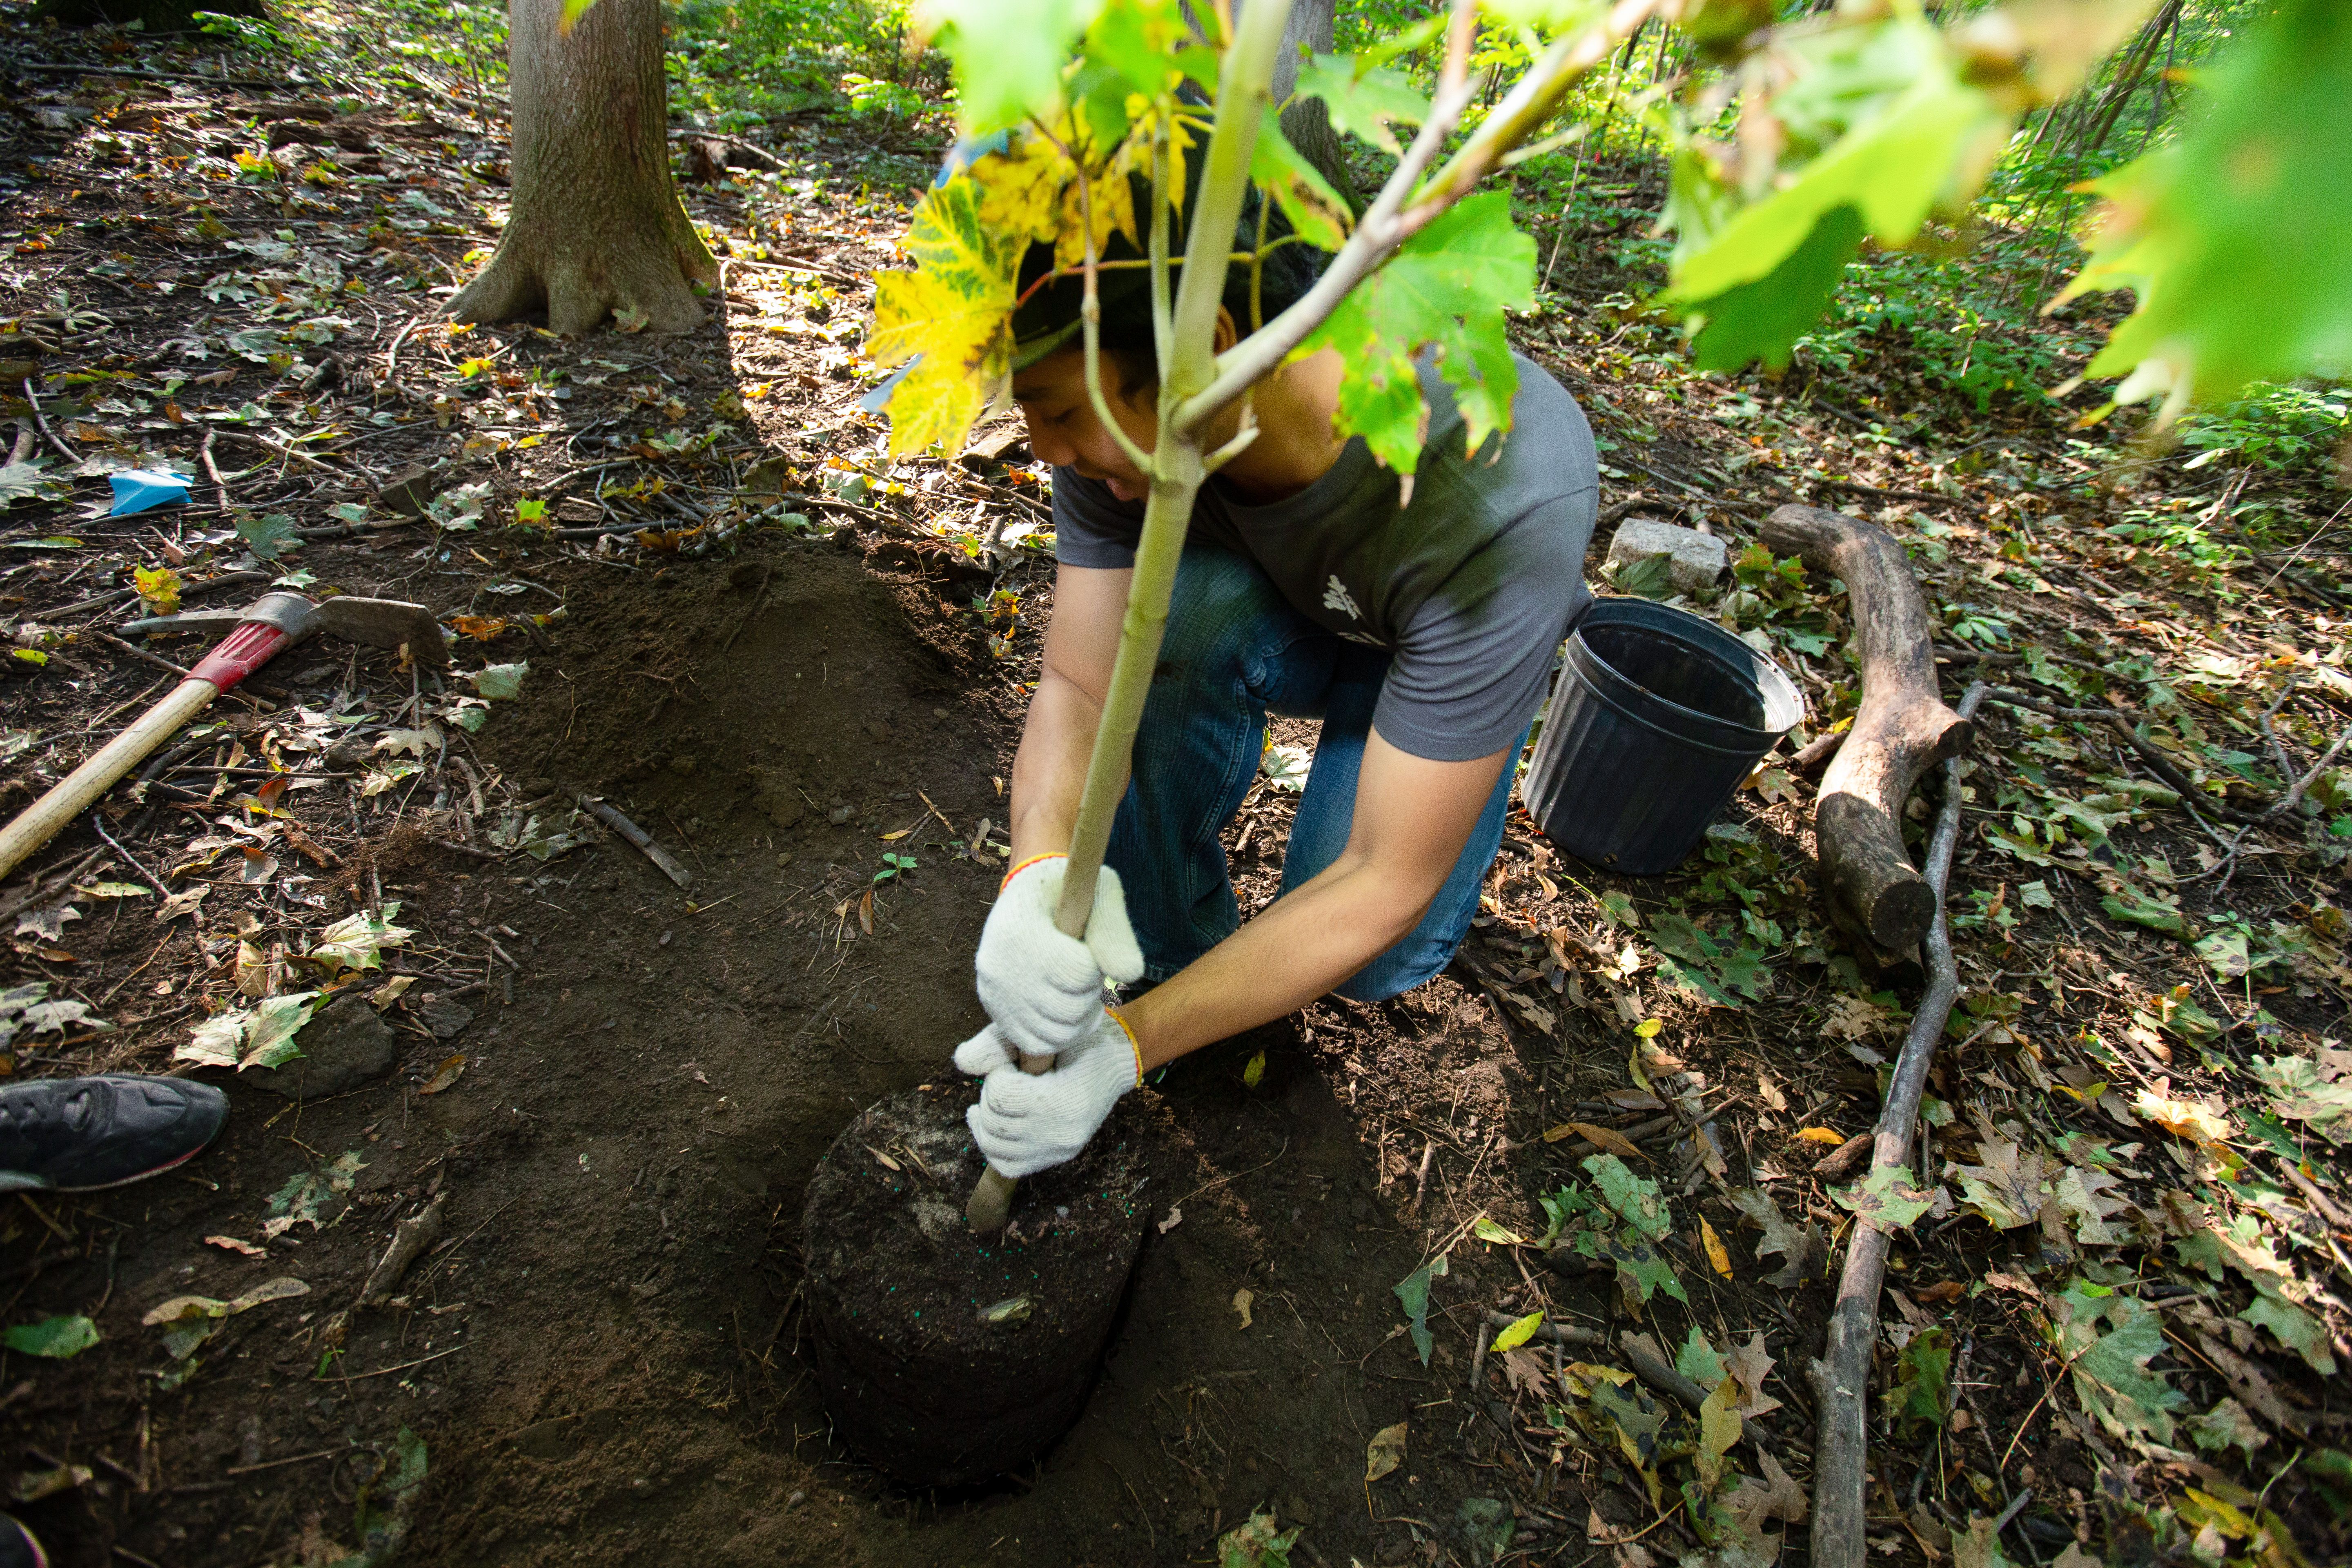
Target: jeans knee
x,y
1217,612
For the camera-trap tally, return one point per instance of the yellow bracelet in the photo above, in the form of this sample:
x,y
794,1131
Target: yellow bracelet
x,y
1126,1029
1057,855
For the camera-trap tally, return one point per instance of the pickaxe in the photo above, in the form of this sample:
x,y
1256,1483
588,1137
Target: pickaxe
x,y
256,634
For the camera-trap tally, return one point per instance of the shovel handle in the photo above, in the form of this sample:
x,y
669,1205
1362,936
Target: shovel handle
x,y
40,821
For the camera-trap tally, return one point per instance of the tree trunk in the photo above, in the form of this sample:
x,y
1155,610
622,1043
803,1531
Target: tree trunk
x,y
596,227
1306,123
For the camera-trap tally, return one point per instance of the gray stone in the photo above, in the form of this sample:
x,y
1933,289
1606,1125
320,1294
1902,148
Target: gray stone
x,y
1693,560
445,1018
344,1045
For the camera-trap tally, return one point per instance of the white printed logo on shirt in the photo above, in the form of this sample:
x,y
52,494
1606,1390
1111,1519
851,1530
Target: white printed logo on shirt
x,y
1336,597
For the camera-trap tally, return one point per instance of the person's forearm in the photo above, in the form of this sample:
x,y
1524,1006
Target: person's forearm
x,y
1307,941
1049,770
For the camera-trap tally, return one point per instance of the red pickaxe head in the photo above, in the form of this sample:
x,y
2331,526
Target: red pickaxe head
x,y
280,619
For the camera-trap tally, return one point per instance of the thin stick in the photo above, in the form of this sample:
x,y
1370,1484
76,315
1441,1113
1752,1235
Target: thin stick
x,y
220,486
42,420
1841,1376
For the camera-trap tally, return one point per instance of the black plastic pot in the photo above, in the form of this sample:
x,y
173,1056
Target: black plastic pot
x,y
1657,717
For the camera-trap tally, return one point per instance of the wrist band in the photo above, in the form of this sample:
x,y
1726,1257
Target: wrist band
x,y
1053,854
1125,1029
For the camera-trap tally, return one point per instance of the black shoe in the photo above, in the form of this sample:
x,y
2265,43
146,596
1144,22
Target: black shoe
x,y
17,1547
78,1134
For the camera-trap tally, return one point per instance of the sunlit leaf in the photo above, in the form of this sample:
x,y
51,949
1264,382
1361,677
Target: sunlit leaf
x,y
1008,54
953,316
1362,100
1445,290
2233,235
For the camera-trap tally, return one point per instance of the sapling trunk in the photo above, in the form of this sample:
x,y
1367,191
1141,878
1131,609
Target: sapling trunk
x,y
1177,466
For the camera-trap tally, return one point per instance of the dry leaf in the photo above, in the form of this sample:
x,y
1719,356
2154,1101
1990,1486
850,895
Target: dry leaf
x,y
1175,1217
1821,1135
1717,1254
1242,1300
233,1244
1384,1453
447,1073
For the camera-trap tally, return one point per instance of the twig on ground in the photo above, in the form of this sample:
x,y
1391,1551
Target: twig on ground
x,y
212,469
1842,1375
42,420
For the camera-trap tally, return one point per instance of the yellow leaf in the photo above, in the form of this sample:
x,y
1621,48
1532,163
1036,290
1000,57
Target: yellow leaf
x,y
1485,1229
1019,187
1242,1300
1820,1135
2181,1118
447,1073
1718,1430
953,315
1715,1252
1518,1334
160,588
1384,1453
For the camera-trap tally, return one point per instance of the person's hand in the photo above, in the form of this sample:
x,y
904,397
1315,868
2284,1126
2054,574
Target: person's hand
x,y
1027,1123
1043,988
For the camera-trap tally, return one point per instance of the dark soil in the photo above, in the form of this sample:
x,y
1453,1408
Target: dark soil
x,y
612,1361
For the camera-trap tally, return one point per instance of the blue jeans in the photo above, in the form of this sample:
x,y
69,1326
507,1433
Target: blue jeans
x,y
1235,650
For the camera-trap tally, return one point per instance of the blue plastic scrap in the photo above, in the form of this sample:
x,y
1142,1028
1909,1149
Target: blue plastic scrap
x,y
138,490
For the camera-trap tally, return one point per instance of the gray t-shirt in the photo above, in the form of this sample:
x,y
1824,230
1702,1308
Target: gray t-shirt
x,y
1470,585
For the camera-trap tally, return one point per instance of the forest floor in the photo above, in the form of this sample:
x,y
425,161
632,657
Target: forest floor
x,y
684,577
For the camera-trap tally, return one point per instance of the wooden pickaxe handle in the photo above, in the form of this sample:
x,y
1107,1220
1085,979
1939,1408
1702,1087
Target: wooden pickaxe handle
x,y
242,652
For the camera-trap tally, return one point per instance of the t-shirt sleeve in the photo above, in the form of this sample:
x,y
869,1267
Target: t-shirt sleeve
x,y
1093,527
1470,671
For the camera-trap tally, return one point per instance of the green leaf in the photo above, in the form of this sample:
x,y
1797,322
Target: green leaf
x,y
356,940
1314,208
1008,54
1697,1360
1641,1267
269,1038
498,682
2110,1370
1887,1197
1762,319
1519,1333
24,481
2128,903
1446,290
1362,100
1634,1200
1923,1379
55,1338
2233,235
1718,1431
2301,1093
1877,123
1650,577
953,316
1413,1290
2225,1424
2296,1329
268,536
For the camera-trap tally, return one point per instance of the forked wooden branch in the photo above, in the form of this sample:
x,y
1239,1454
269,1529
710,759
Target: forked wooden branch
x,y
1841,1376
1902,730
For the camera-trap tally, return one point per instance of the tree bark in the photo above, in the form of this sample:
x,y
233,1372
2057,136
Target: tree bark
x,y
1306,123
596,227
1902,730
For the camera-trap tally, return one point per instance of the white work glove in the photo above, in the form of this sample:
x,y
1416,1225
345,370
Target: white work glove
x,y
1044,989
1027,1123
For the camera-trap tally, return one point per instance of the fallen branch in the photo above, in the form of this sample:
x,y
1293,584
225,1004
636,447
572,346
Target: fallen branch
x,y
1902,729
409,1238
1841,1376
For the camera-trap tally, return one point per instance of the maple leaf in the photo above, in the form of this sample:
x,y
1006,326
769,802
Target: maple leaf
x,y
2079,1194
2110,1370
1446,290
953,316
1021,187
1362,100
1008,54
1887,1197
2007,1189
1749,1366
1805,1249
1317,211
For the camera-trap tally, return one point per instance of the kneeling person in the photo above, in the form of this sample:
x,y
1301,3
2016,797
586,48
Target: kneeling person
x,y
1419,621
